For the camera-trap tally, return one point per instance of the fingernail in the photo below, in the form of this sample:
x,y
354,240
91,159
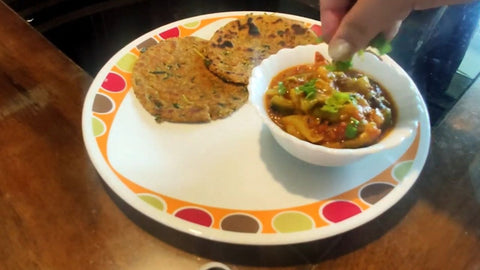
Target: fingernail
x,y
340,49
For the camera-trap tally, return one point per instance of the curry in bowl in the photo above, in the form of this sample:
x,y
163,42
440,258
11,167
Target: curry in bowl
x,y
336,109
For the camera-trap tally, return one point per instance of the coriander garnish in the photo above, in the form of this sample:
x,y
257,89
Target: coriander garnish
x,y
308,88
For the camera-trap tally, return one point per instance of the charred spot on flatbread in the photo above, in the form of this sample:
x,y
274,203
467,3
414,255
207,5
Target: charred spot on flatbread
x,y
240,45
171,81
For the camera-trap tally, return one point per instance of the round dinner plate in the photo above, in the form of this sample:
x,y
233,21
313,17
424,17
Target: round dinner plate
x,y
228,180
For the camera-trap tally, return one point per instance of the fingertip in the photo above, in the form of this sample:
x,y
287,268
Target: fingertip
x,y
340,50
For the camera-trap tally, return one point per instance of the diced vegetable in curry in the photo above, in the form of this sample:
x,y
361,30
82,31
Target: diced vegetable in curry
x,y
338,109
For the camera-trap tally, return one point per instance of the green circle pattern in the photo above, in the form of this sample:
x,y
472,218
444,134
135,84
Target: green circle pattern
x,y
153,201
288,222
98,127
126,62
401,170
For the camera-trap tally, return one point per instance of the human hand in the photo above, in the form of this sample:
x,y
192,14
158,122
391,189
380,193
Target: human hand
x,y
350,25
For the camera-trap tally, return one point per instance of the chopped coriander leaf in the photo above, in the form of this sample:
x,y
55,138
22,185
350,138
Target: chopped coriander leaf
x,y
381,44
281,88
336,101
308,88
310,95
339,65
330,67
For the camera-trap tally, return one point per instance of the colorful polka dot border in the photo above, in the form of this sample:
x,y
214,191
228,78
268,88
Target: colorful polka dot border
x,y
306,217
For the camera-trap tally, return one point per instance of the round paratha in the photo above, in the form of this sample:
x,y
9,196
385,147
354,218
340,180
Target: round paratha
x,y
237,47
172,83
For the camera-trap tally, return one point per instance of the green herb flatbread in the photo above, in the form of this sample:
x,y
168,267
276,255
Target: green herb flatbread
x,y
172,83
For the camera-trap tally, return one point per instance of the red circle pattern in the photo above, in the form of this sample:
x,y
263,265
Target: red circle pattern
x,y
173,32
195,215
114,82
340,210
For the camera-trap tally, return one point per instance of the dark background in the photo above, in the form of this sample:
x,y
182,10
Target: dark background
x,y
430,45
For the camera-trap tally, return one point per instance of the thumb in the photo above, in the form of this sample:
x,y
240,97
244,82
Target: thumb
x,y
365,20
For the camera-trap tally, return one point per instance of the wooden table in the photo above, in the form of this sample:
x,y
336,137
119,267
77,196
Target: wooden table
x,y
56,213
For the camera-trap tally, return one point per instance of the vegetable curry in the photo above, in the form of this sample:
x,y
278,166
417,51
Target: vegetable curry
x,y
337,109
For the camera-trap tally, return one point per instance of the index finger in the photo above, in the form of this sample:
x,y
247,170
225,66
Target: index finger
x,y
331,14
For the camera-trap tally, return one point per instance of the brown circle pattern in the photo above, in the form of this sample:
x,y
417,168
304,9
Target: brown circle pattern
x,y
147,43
240,223
102,104
374,192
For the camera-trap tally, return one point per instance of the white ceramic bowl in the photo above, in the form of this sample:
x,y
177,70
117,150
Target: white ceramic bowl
x,y
385,71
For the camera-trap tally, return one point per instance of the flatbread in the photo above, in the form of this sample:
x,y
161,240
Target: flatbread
x,y
172,83
236,48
